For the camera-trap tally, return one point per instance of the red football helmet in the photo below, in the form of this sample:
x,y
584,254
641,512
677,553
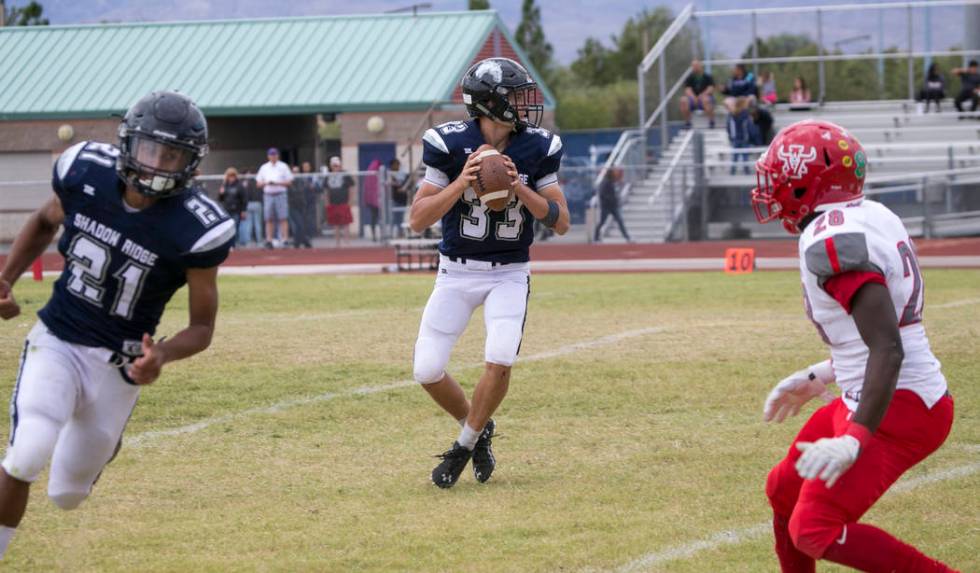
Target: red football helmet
x,y
810,163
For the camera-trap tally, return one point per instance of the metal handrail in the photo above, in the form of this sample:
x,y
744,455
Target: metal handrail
x,y
667,37
835,8
674,162
668,96
626,139
843,57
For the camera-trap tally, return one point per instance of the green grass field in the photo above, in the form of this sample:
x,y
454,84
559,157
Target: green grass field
x,y
633,428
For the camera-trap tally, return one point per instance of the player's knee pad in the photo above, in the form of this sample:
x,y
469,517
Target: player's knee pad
x,y
33,442
68,500
429,364
811,531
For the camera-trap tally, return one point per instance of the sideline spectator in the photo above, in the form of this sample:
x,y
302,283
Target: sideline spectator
x,y
761,128
799,98
609,203
311,197
252,222
933,88
338,185
740,89
398,188
699,93
969,87
297,210
767,87
231,194
372,198
274,178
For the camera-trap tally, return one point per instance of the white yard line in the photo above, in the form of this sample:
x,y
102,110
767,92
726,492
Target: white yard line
x,y
956,303
763,529
149,436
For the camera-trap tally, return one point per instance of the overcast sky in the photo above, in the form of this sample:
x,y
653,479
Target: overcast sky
x,y
567,22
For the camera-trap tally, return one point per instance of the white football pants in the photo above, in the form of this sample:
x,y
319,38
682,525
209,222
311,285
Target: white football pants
x,y
503,290
70,405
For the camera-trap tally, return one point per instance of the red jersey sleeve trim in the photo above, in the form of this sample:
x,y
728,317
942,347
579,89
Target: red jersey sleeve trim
x,y
844,286
832,254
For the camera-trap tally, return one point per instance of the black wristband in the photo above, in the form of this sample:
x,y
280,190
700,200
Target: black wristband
x,y
551,218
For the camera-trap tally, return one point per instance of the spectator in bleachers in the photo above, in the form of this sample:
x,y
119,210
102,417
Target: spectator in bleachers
x,y
251,225
740,128
969,86
372,198
339,186
699,93
274,178
933,88
609,203
231,194
761,131
740,91
297,210
799,98
398,189
767,88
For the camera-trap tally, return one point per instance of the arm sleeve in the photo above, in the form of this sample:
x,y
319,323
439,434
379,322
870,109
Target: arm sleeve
x,y
844,286
547,173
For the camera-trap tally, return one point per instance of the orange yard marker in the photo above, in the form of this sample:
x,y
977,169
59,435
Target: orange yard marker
x,y
739,261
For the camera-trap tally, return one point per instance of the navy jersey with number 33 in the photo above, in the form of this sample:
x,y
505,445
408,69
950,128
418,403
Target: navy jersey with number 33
x,y
123,266
469,229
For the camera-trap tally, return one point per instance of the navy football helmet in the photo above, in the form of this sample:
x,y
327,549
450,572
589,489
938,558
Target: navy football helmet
x,y
162,140
501,89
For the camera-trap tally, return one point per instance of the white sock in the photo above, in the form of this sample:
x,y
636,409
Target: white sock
x,y
468,437
6,534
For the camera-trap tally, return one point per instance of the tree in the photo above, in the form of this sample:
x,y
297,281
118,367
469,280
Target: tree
x,y
530,36
30,15
479,5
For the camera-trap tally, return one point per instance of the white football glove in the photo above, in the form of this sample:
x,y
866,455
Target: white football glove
x,y
797,389
827,458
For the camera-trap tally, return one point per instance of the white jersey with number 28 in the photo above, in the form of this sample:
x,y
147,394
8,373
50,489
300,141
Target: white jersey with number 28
x,y
866,236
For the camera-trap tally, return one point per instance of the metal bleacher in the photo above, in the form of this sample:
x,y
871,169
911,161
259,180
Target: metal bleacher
x,y
924,166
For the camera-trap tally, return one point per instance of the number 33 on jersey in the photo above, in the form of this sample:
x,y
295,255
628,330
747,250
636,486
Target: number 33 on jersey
x,y
122,266
469,229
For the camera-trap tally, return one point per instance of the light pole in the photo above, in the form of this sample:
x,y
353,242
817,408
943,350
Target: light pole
x,y
414,8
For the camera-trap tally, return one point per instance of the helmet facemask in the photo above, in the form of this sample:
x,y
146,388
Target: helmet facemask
x,y
524,102
155,166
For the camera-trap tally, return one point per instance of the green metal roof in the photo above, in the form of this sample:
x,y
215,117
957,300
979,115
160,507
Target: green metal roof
x,y
242,67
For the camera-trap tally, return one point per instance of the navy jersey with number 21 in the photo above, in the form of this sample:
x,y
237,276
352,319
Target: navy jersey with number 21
x,y
469,229
122,266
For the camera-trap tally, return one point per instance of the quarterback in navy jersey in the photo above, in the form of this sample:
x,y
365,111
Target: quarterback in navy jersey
x,y
134,233
484,256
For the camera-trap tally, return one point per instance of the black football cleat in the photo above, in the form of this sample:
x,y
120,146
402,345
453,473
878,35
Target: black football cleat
x,y
483,460
452,465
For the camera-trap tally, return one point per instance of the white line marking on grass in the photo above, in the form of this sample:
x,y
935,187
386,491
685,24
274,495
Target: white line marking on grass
x,y
747,534
956,303
143,438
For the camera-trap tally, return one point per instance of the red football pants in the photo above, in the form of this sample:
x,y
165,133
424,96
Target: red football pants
x,y
817,515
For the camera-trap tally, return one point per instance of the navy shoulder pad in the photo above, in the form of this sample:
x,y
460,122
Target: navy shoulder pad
x,y
840,253
205,231
84,162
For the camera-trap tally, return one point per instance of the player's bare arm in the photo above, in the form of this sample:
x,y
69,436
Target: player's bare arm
x,y
202,286
874,315
33,239
431,202
537,202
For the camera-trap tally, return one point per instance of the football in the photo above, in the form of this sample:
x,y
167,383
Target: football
x,y
492,183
